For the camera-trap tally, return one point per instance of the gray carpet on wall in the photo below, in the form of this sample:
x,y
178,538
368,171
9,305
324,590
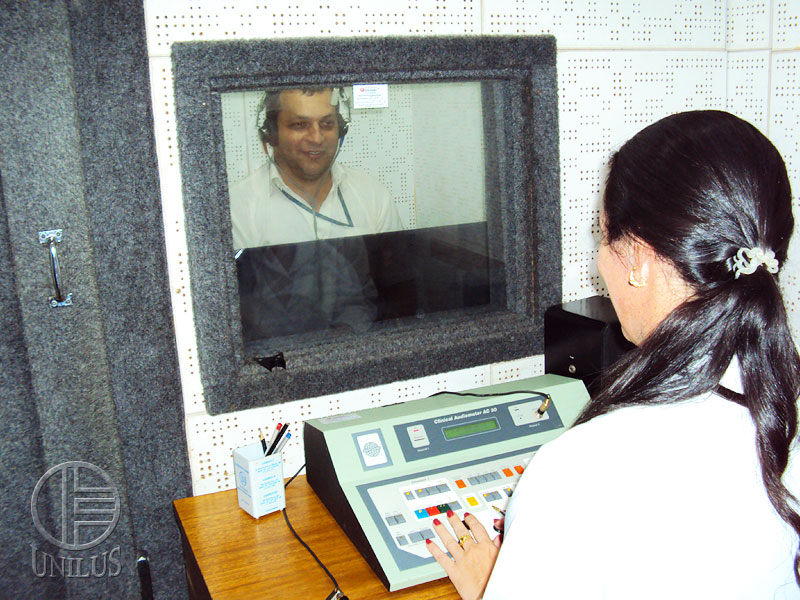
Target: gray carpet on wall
x,y
21,454
97,381
124,201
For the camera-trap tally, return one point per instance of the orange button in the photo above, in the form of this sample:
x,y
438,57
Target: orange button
x,y
508,473
432,511
519,469
460,483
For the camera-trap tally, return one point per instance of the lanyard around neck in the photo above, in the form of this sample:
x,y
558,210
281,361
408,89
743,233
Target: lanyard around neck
x,y
307,208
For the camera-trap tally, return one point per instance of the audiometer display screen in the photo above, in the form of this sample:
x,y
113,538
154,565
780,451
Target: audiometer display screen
x,y
459,431
447,432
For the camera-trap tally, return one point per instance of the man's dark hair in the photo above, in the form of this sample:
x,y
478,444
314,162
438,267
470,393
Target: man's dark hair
x,y
698,186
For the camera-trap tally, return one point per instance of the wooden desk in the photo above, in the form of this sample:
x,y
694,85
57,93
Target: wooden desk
x,y
228,554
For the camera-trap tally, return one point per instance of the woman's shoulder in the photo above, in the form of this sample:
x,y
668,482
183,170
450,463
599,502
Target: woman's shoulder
x,y
705,426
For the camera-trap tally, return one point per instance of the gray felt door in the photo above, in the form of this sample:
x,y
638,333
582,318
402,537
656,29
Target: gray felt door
x,y
94,382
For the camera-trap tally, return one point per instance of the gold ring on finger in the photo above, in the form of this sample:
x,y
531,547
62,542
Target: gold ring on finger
x,y
463,539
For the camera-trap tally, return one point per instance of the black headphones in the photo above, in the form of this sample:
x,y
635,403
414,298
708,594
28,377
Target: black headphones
x,y
269,107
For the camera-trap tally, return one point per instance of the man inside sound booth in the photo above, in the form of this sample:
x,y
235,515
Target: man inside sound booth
x,y
294,215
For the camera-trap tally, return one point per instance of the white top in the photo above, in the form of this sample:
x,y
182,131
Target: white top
x,y
648,503
262,214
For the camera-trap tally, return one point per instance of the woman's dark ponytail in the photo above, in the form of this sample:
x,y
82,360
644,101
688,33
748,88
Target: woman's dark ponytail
x,y
698,187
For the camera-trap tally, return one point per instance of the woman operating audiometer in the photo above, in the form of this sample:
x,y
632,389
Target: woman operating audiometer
x,y
677,480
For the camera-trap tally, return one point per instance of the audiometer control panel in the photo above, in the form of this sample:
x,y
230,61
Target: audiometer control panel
x,y
403,508
385,473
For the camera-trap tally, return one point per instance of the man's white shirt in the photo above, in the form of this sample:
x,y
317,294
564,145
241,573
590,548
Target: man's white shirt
x,y
265,211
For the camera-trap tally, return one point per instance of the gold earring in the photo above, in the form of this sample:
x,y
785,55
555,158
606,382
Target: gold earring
x,y
633,282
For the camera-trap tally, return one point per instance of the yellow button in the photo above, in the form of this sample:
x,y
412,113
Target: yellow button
x,y
472,501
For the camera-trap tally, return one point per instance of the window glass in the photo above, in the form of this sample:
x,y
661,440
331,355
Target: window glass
x,y
356,208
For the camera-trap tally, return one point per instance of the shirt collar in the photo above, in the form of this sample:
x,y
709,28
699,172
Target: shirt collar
x,y
275,177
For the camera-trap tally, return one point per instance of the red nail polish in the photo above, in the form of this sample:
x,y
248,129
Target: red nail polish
x,y
450,513
466,515
427,541
436,522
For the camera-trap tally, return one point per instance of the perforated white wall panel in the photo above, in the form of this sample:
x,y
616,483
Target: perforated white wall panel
x,y
784,130
785,24
673,57
606,97
748,24
612,23
748,86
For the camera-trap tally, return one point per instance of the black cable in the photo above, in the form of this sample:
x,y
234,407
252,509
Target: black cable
x,y
336,593
291,479
476,395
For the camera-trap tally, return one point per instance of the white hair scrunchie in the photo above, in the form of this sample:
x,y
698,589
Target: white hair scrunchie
x,y
747,260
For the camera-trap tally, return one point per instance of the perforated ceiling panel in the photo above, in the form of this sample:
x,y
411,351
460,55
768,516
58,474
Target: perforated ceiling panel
x,y
673,59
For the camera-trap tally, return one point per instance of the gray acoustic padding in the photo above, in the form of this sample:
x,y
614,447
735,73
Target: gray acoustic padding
x,y
77,152
523,169
21,453
124,206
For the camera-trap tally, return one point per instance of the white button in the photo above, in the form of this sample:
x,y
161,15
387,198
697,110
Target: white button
x,y
418,436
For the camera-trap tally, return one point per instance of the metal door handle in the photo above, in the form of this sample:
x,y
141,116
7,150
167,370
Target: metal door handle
x,y
51,237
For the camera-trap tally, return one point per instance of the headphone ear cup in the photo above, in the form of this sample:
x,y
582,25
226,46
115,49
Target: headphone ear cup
x,y
343,125
269,131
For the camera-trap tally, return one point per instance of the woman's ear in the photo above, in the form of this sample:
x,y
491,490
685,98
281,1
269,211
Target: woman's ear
x,y
641,260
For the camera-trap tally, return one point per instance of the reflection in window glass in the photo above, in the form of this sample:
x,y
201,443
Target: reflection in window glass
x,y
347,220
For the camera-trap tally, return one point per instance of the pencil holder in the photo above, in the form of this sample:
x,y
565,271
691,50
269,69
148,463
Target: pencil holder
x,y
259,480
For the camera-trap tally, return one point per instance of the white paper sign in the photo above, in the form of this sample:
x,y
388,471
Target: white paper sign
x,y
371,95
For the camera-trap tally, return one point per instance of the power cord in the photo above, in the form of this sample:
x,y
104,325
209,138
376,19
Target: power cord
x,y
337,593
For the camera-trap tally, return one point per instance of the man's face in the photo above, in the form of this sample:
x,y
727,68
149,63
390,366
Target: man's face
x,y
308,134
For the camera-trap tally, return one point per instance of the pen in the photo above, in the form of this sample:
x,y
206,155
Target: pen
x,y
263,441
277,439
282,443
500,510
273,438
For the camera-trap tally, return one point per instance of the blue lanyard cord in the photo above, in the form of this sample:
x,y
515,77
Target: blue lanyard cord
x,y
307,208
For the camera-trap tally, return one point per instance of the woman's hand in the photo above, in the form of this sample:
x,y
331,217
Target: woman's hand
x,y
472,559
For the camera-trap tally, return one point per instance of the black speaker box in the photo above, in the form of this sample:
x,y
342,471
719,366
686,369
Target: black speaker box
x,y
582,338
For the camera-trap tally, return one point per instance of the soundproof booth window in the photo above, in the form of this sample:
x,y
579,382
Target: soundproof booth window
x,y
358,208
365,211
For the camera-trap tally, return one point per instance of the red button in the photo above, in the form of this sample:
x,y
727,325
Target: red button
x,y
432,511
460,483
508,473
519,469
